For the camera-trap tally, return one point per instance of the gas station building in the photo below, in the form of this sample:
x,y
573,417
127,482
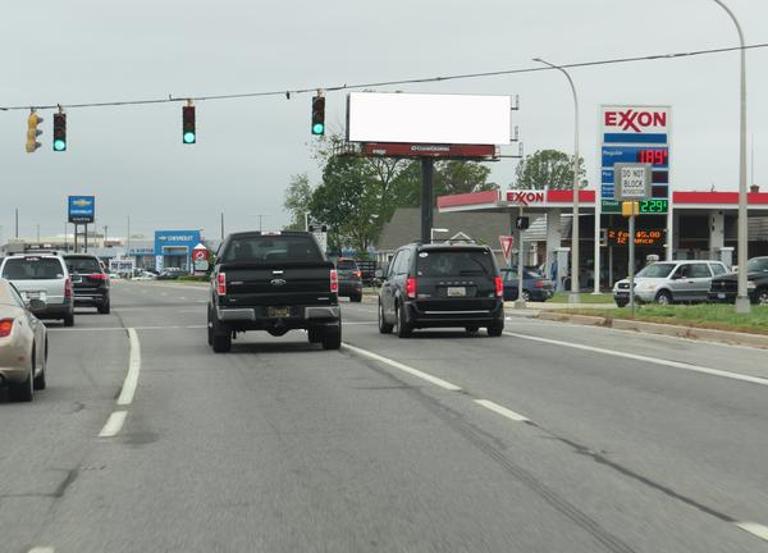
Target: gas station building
x,y
702,225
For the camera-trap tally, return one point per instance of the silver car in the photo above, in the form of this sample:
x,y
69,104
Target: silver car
x,y
668,282
42,276
23,344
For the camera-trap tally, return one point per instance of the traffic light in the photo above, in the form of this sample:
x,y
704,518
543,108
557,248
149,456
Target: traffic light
x,y
189,134
33,132
522,223
318,115
59,132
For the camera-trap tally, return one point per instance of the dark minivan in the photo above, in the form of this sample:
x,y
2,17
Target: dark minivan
x,y
89,280
442,285
350,279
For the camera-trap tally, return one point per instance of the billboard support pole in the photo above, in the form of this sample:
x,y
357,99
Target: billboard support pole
x,y
85,237
427,177
76,238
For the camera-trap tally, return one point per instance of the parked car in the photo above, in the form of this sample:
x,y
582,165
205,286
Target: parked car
x,y
275,282
725,287
144,275
350,279
42,276
669,282
23,344
171,273
90,282
536,287
442,285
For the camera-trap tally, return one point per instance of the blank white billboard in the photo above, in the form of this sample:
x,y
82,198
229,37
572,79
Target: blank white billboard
x,y
428,118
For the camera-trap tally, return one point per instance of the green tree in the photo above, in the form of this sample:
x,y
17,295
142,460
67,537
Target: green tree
x,y
547,168
296,200
459,177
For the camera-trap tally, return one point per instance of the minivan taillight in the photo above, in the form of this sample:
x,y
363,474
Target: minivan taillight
x,y
98,276
221,284
334,282
358,274
499,284
68,288
6,327
410,287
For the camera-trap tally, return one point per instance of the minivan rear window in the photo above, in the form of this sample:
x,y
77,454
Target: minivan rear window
x,y
442,263
272,249
346,264
33,268
82,265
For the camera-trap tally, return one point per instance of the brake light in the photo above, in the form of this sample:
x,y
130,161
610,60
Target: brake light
x,y
6,327
539,284
334,282
68,288
97,276
359,274
499,285
221,284
410,287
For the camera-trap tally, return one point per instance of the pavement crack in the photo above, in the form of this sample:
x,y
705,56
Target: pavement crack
x,y
70,478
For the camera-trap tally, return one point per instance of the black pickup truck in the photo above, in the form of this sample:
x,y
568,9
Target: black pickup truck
x,y
276,282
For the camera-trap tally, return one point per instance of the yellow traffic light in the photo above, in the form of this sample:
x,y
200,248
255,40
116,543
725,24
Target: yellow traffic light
x,y
628,209
33,132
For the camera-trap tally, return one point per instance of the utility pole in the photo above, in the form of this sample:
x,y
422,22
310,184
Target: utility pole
x,y
105,236
38,233
17,223
128,238
222,226
427,177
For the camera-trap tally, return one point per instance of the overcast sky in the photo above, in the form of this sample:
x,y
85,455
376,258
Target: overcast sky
x,y
132,158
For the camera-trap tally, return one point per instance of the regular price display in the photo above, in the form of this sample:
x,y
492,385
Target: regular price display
x,y
654,156
654,206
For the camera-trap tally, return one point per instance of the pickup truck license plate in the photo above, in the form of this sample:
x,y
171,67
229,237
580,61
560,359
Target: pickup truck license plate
x,y
456,291
278,312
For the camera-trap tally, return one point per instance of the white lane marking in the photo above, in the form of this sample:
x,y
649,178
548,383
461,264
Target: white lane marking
x,y
646,359
122,329
755,529
353,323
134,367
501,410
114,424
405,368
42,550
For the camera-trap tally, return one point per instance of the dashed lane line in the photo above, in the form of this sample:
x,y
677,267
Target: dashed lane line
x,y
114,424
755,529
134,367
501,410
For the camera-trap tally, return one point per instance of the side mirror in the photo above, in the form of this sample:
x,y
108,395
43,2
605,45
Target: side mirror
x,y
36,305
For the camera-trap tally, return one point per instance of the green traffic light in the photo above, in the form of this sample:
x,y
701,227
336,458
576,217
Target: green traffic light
x,y
59,145
189,138
318,128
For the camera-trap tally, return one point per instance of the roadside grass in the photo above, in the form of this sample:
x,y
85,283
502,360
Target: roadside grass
x,y
585,297
712,316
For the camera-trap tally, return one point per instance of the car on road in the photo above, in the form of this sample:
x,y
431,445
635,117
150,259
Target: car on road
x,y
725,287
144,275
668,282
276,282
536,287
171,273
90,282
350,279
43,276
441,285
23,344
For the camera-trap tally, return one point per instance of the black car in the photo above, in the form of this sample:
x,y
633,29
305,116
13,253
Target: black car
x,y
275,282
536,287
725,288
89,280
350,279
442,285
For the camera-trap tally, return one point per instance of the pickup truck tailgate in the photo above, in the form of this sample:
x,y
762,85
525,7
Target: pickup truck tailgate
x,y
292,285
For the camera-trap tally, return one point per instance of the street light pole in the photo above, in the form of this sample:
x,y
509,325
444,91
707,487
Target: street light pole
x,y
742,297
573,297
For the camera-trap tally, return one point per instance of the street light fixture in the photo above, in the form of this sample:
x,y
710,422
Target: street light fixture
x,y
573,297
742,297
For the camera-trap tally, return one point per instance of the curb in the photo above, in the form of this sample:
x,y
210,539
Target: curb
x,y
678,331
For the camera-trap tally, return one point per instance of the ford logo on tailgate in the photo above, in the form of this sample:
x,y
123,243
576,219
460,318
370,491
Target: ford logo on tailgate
x,y
277,282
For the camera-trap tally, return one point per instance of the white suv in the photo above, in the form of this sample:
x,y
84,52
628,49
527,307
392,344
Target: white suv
x,y
668,282
42,276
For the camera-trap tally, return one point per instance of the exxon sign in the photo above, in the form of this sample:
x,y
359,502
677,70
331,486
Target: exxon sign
x,y
635,124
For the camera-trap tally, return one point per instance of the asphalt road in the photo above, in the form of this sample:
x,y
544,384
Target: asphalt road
x,y
552,439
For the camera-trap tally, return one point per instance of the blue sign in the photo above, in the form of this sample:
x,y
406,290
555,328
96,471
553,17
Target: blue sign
x,y
82,209
176,242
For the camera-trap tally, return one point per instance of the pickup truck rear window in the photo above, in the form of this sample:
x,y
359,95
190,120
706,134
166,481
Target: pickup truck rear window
x,y
272,249
33,268
443,263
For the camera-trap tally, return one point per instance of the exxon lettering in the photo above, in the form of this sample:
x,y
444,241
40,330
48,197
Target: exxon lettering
x,y
635,120
525,197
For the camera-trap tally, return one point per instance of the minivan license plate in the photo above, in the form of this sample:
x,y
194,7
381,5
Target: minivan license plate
x,y
721,296
456,292
278,312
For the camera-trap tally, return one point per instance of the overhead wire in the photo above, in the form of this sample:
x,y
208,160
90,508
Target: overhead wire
x,y
460,76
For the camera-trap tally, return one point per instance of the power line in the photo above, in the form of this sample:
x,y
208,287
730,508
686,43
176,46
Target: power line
x,y
287,93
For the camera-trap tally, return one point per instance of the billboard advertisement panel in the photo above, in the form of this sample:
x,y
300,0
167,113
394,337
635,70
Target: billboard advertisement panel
x,y
81,209
428,118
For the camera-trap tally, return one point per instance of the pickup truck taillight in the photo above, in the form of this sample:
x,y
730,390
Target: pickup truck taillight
x,y
221,284
334,282
68,288
6,327
410,287
499,284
